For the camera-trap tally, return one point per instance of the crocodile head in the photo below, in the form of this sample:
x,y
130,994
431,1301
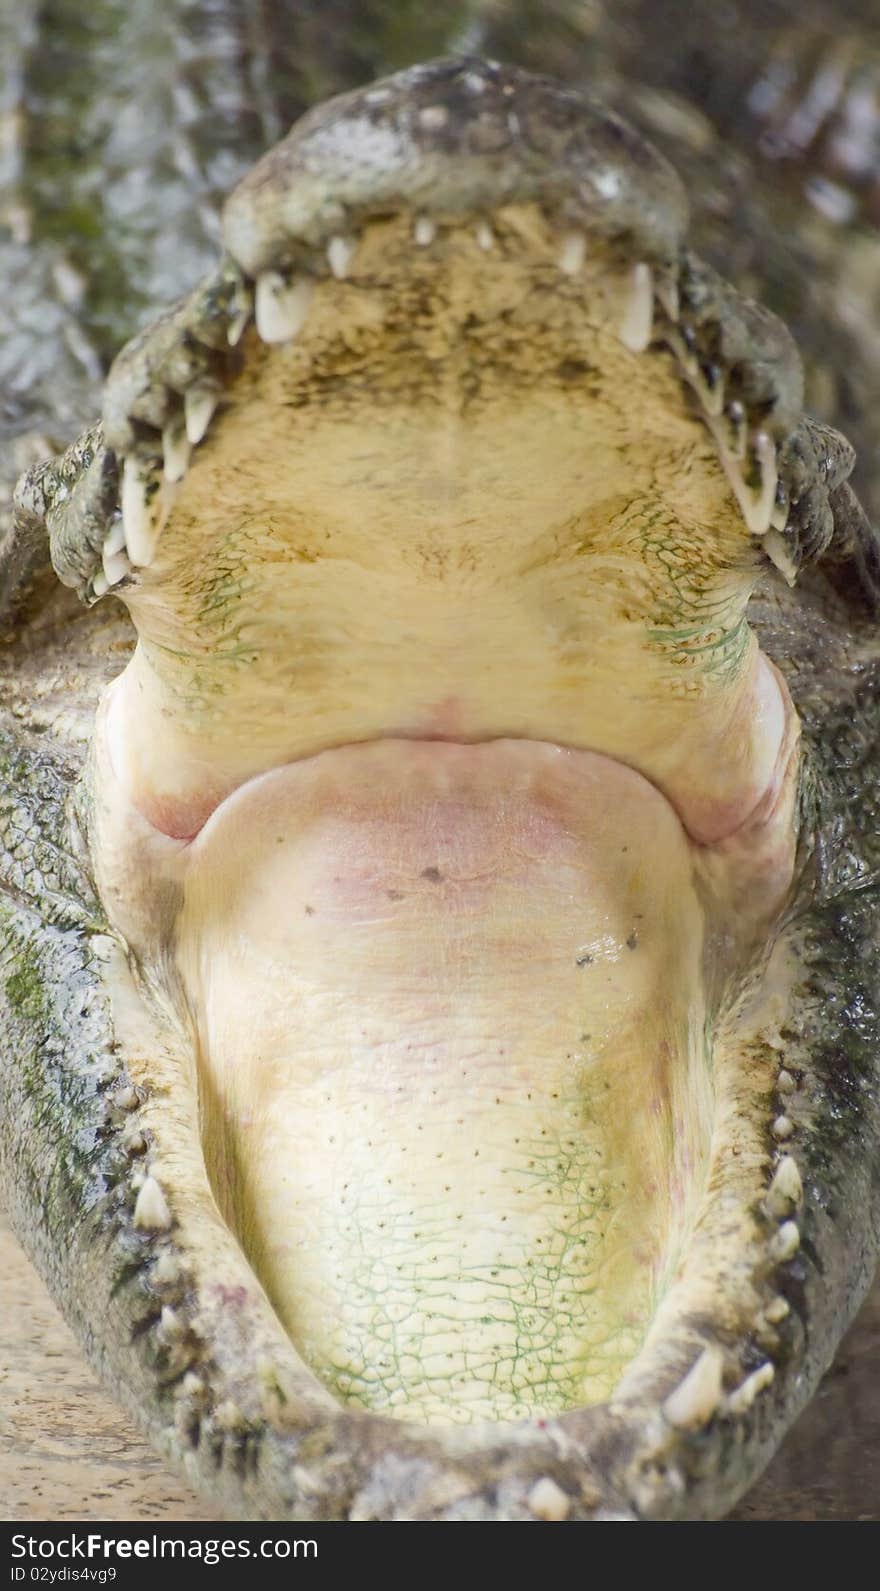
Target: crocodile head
x,y
455,827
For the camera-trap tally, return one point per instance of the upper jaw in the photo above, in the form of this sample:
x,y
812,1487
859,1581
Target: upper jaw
x,y
447,144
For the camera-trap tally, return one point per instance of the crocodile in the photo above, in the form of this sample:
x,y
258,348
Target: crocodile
x,y
439,960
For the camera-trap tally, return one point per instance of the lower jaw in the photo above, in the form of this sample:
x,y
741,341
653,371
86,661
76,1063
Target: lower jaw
x,y
450,1034
450,1043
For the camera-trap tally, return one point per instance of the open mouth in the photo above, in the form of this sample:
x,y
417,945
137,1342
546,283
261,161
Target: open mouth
x,y
448,812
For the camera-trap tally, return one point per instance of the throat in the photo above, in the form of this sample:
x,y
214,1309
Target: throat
x,y
455,1104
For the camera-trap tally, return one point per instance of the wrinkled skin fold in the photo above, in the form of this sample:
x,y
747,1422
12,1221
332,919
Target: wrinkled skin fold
x,y
636,760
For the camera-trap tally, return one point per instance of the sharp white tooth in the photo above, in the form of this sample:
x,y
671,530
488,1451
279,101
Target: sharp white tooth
x,y
166,1271
116,565
786,1189
777,1310
779,516
151,1212
785,1243
281,306
548,1501
100,584
236,328
133,1140
115,541
484,235
145,502
637,325
176,449
756,509
228,1416
240,313
779,555
140,537
696,1398
199,404
170,1324
424,231
572,253
340,253
761,507
745,1394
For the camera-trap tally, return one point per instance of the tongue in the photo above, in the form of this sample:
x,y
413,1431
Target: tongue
x,y
450,1018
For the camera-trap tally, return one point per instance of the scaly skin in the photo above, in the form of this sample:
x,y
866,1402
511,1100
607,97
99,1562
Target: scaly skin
x,y
49,950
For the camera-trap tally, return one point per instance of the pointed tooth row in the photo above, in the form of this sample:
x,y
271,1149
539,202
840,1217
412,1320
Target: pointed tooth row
x,y
756,507
147,492
281,305
636,327
145,499
765,511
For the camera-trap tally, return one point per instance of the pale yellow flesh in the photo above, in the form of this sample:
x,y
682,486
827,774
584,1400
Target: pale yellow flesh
x,y
456,1105
445,987
421,519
